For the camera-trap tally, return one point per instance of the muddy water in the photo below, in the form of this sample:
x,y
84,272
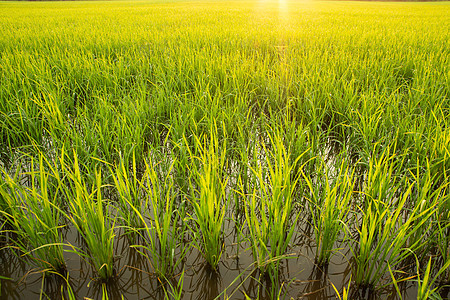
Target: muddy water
x,y
300,277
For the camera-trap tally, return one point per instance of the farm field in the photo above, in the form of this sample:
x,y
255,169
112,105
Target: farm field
x,y
224,150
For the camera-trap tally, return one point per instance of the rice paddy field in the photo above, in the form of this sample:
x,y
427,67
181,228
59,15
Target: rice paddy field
x,y
224,150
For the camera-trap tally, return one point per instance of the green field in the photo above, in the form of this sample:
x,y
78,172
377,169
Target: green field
x,y
229,149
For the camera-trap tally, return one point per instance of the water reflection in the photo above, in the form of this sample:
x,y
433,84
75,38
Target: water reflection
x,y
299,276
206,284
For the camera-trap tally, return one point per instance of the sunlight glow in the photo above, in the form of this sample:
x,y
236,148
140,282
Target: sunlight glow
x,y
277,7
283,10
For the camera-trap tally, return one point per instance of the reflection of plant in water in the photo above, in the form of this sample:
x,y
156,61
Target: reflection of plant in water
x,y
207,282
317,282
134,266
15,263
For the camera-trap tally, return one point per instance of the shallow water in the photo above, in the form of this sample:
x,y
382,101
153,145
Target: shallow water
x,y
300,277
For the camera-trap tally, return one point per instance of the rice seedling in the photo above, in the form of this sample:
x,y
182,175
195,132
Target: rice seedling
x,y
350,128
91,215
269,209
424,195
181,154
34,215
442,232
329,205
131,194
426,288
162,232
209,200
345,292
175,291
383,235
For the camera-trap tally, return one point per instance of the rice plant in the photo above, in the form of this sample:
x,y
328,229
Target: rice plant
x,y
329,206
33,212
442,231
175,290
91,215
163,231
383,233
131,194
269,209
186,123
424,195
426,280
209,199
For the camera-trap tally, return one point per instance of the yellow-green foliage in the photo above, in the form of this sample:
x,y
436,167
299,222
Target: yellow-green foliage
x,y
120,69
337,110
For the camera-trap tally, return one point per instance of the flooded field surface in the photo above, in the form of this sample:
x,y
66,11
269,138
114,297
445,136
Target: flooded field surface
x,y
235,276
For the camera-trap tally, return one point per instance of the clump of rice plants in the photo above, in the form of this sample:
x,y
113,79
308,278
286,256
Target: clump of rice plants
x,y
161,219
429,277
328,143
91,215
269,209
384,232
33,213
209,200
131,193
329,204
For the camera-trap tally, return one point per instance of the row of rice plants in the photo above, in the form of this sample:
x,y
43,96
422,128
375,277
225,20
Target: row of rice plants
x,y
389,216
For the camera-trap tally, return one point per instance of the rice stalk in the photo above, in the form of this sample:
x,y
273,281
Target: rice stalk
x,y
33,213
209,199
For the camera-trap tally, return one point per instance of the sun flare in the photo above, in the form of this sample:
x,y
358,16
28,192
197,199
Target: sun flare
x,y
283,10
